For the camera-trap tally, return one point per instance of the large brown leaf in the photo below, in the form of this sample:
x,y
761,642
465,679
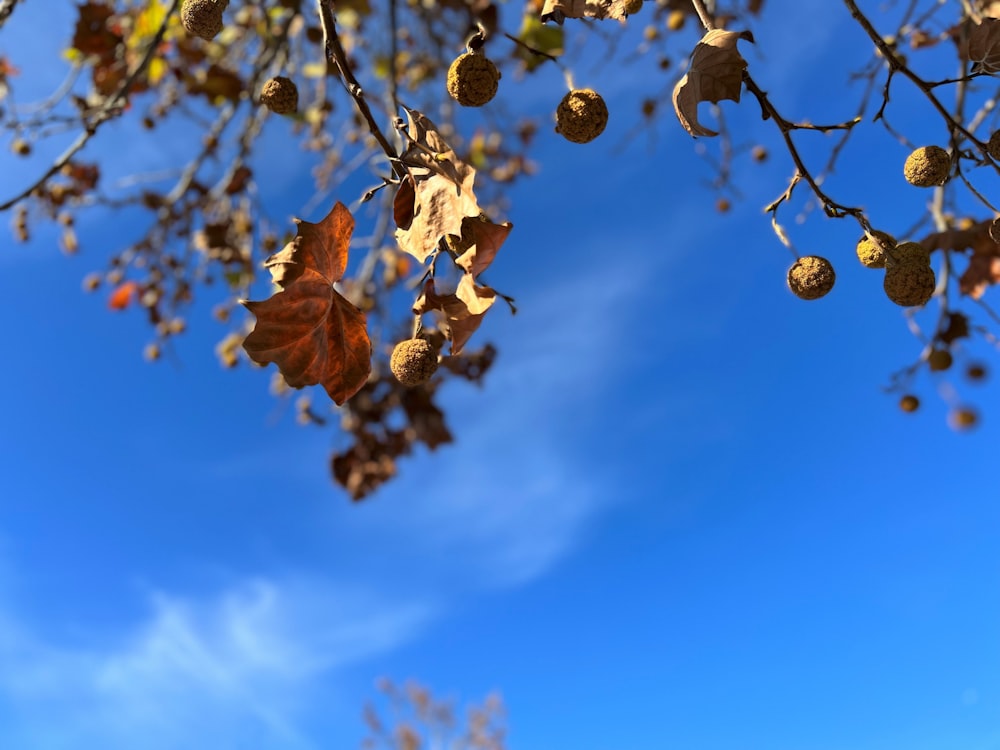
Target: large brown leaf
x,y
441,187
984,46
716,73
557,10
308,329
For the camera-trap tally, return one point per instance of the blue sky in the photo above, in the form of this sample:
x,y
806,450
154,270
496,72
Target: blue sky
x,y
680,513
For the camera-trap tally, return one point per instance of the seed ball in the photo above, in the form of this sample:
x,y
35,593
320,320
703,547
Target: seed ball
x,y
909,403
910,252
871,252
927,166
909,284
993,146
581,116
413,362
280,95
963,418
632,7
976,372
811,277
939,360
203,18
473,80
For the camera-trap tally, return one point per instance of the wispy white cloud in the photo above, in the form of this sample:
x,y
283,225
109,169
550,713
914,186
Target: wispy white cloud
x,y
246,663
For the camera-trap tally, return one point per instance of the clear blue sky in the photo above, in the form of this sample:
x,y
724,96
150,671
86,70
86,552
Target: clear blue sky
x,y
680,514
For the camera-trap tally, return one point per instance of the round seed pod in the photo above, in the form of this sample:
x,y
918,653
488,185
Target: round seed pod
x,y
581,116
909,403
871,252
473,80
413,362
909,284
963,418
927,166
811,277
939,360
203,18
632,7
907,252
280,95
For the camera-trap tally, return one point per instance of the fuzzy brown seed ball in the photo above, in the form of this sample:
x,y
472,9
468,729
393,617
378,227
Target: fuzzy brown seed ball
x,y
976,372
632,7
909,403
473,80
909,284
280,95
811,277
939,360
581,116
871,253
927,166
413,362
203,18
910,252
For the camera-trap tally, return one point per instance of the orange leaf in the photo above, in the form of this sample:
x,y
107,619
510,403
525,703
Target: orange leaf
x,y
122,296
716,73
308,329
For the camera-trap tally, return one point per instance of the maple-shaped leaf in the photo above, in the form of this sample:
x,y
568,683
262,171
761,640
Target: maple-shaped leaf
x,y
715,73
441,186
558,10
984,46
479,243
308,329
463,310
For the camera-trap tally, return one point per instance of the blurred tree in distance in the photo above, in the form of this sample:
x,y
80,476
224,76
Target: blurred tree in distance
x,y
379,301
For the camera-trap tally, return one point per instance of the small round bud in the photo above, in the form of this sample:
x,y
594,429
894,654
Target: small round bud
x,y
871,252
473,80
993,146
927,166
909,284
280,95
939,360
581,116
811,277
20,147
676,19
413,362
203,18
976,372
909,403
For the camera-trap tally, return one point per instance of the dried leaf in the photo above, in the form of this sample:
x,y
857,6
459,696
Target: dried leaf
x,y
558,10
716,73
308,329
483,239
982,271
462,322
442,190
984,46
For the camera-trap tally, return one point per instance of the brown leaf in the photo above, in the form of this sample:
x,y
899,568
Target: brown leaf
x,y
957,328
558,10
462,322
481,239
982,271
309,330
984,46
442,188
716,73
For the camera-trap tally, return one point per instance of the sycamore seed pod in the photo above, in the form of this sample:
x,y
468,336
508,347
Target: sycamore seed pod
x,y
581,116
928,166
811,277
909,284
413,362
871,252
203,18
280,95
473,79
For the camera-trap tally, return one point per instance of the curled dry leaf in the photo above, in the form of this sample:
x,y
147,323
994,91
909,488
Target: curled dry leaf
x,y
308,329
984,46
463,310
716,73
559,10
441,187
482,239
